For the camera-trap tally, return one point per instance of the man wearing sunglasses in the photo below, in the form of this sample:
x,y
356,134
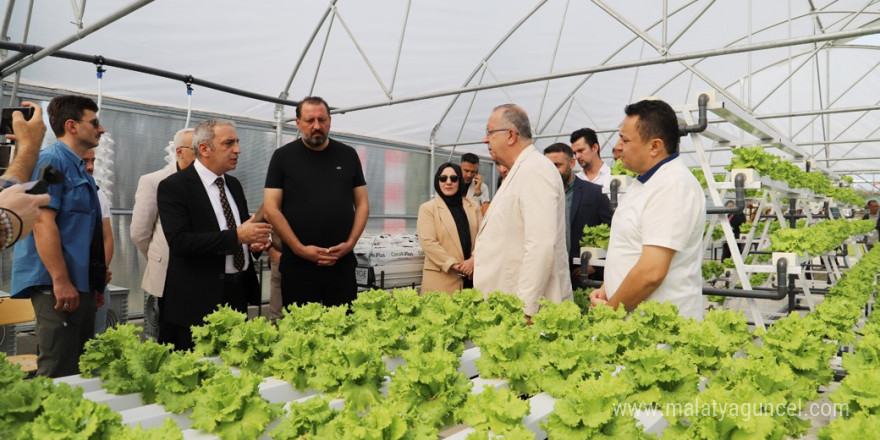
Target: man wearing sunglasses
x,y
61,265
520,248
147,233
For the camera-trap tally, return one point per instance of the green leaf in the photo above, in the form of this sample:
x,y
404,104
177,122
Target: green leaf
x,y
596,236
232,408
500,411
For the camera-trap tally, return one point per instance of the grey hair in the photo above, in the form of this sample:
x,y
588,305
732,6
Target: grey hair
x,y
178,137
517,117
204,133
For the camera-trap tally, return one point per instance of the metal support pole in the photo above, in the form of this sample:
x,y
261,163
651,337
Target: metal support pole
x,y
77,36
151,71
853,33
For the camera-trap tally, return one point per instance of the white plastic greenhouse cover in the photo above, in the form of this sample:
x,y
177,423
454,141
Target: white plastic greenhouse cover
x,y
431,71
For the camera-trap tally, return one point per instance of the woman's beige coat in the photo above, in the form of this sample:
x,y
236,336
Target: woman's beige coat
x,y
439,239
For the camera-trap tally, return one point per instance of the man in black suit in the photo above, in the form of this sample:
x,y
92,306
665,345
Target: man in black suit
x,y
585,205
205,218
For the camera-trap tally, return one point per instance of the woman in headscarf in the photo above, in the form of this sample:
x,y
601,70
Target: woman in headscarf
x,y
447,228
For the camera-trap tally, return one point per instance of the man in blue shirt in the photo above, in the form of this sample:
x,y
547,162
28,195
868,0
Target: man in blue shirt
x,y
57,266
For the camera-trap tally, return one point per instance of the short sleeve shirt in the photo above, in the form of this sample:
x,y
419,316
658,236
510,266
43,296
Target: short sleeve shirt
x,y
484,193
77,213
105,204
318,191
669,210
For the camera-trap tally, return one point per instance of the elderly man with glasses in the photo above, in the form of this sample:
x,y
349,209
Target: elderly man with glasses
x,y
147,234
61,266
520,248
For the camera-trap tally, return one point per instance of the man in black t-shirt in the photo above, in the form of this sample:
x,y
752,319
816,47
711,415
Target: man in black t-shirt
x,y
316,199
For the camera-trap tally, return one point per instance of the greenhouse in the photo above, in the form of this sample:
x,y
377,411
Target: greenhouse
x,y
779,122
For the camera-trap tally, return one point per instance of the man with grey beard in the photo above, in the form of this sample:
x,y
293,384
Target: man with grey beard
x,y
316,200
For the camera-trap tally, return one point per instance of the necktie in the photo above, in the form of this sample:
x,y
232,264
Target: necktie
x,y
238,258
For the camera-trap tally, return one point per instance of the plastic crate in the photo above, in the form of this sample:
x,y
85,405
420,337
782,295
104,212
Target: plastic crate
x,y
118,313
7,339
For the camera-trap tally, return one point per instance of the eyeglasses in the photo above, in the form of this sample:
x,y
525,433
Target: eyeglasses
x,y
188,148
489,132
95,123
452,179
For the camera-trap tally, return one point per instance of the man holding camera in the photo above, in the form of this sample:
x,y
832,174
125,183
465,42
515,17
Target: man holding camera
x,y
61,266
19,210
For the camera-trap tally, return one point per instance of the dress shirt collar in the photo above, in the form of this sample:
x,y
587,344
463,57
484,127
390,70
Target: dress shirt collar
x,y
205,175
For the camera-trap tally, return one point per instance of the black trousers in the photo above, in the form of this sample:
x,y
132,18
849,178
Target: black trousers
x,y
180,336
331,285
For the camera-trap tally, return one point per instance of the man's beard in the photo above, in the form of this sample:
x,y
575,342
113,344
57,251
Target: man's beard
x,y
315,140
565,179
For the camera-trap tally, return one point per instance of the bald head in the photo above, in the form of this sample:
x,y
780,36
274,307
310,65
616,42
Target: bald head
x,y
508,133
183,147
514,116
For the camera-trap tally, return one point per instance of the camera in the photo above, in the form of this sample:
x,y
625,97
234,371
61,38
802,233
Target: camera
x,y
48,175
6,128
6,122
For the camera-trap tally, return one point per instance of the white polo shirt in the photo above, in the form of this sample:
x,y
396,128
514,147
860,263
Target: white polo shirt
x,y
482,198
105,204
667,210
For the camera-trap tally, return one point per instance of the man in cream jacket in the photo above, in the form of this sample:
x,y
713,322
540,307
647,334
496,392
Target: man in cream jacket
x,y
146,230
520,248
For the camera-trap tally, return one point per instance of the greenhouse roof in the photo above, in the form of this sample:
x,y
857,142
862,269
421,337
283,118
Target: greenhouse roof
x,y
797,75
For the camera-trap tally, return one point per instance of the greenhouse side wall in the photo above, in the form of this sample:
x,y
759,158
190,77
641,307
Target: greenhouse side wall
x,y
397,175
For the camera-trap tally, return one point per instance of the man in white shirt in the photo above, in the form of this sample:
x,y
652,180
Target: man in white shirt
x,y
655,252
585,145
520,248
101,312
477,190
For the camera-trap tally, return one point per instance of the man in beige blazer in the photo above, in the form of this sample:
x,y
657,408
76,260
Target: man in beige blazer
x,y
521,247
147,234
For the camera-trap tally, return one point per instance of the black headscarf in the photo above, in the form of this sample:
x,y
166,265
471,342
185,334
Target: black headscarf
x,y
454,203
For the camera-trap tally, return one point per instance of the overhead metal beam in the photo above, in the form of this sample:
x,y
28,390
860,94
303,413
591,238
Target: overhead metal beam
x,y
756,127
852,33
826,111
864,170
836,142
481,64
361,52
284,93
570,94
80,34
4,28
400,46
829,159
97,59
